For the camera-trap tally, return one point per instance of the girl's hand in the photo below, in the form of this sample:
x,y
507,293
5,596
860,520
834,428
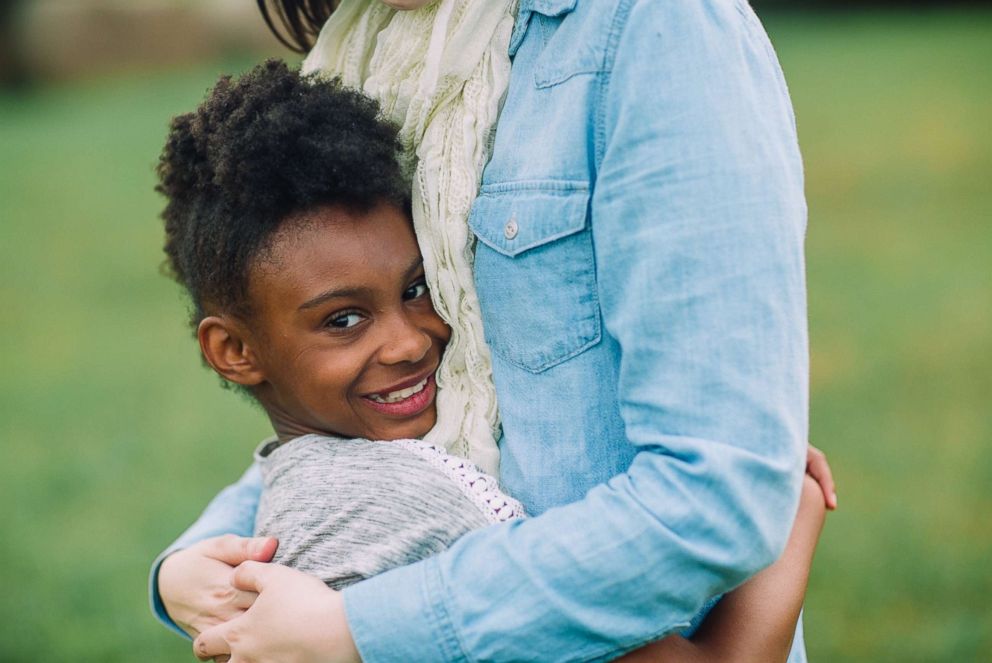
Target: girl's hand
x,y
295,618
818,468
195,583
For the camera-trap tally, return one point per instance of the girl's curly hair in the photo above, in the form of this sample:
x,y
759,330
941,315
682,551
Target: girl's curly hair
x,y
259,149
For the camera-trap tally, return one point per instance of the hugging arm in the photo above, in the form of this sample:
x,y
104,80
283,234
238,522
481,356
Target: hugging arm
x,y
754,623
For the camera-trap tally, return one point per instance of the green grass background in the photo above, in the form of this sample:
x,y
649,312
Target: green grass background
x,y
114,437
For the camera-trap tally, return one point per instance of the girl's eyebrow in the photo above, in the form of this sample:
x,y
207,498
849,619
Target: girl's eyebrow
x,y
414,266
354,292
333,294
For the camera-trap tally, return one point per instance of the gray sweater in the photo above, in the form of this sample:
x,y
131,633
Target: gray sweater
x,y
347,509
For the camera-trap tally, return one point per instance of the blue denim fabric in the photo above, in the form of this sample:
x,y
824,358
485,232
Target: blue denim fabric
x,y
640,269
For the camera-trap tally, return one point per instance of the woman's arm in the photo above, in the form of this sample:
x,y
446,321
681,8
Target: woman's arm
x,y
754,623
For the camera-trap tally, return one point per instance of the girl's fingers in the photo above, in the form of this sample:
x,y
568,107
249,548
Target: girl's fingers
x,y
818,468
233,550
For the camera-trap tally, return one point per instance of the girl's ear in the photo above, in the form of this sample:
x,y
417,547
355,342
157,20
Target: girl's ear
x,y
224,345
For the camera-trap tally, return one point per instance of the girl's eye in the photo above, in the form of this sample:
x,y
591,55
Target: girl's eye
x,y
345,321
418,289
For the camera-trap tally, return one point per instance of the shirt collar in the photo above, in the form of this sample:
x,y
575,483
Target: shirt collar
x,y
528,7
546,7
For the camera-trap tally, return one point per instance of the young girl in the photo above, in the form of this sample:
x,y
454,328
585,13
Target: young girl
x,y
287,223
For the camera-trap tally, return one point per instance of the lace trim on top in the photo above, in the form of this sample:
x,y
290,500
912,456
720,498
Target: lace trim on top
x,y
478,486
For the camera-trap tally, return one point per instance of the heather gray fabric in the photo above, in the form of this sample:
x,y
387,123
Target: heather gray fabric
x,y
345,510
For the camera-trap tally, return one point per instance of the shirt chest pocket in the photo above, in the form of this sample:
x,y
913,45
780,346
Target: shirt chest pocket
x,y
535,272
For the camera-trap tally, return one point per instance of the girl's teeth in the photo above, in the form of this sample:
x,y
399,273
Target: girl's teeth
x,y
395,396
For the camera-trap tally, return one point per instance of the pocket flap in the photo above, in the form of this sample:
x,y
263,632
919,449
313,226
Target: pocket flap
x,y
517,217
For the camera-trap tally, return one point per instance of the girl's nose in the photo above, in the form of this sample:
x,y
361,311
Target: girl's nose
x,y
405,342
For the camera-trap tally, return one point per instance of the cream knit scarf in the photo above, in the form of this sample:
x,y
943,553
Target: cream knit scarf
x,y
440,73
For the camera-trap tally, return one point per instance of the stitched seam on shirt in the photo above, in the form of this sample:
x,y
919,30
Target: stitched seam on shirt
x,y
551,363
551,187
492,236
541,241
551,75
553,78
454,650
617,27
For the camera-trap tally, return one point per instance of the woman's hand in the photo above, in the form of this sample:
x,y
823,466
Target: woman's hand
x,y
818,468
195,583
295,618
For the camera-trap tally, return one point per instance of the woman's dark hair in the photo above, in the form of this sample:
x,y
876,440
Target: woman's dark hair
x,y
299,21
257,151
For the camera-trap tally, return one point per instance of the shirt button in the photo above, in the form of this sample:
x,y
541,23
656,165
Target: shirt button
x,y
510,229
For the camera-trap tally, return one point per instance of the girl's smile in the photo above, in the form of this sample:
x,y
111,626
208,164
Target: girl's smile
x,y
405,401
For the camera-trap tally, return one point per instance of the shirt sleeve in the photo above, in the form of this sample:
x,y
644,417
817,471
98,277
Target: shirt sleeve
x,y
698,224
232,511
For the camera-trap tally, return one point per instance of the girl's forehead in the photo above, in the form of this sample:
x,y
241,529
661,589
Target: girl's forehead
x,y
335,249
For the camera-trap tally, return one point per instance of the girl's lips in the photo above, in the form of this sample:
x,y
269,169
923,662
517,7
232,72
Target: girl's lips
x,y
410,406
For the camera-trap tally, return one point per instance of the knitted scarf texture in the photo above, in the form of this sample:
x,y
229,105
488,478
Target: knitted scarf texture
x,y
440,73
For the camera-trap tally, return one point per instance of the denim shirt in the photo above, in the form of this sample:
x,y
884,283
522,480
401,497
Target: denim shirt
x,y
640,270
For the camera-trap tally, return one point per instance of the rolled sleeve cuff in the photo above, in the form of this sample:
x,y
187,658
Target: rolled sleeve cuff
x,y
401,616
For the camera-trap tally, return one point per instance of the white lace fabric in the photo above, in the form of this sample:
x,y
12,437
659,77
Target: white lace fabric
x,y
481,488
440,73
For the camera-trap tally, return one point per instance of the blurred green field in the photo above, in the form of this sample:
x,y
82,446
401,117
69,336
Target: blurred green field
x,y
114,437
